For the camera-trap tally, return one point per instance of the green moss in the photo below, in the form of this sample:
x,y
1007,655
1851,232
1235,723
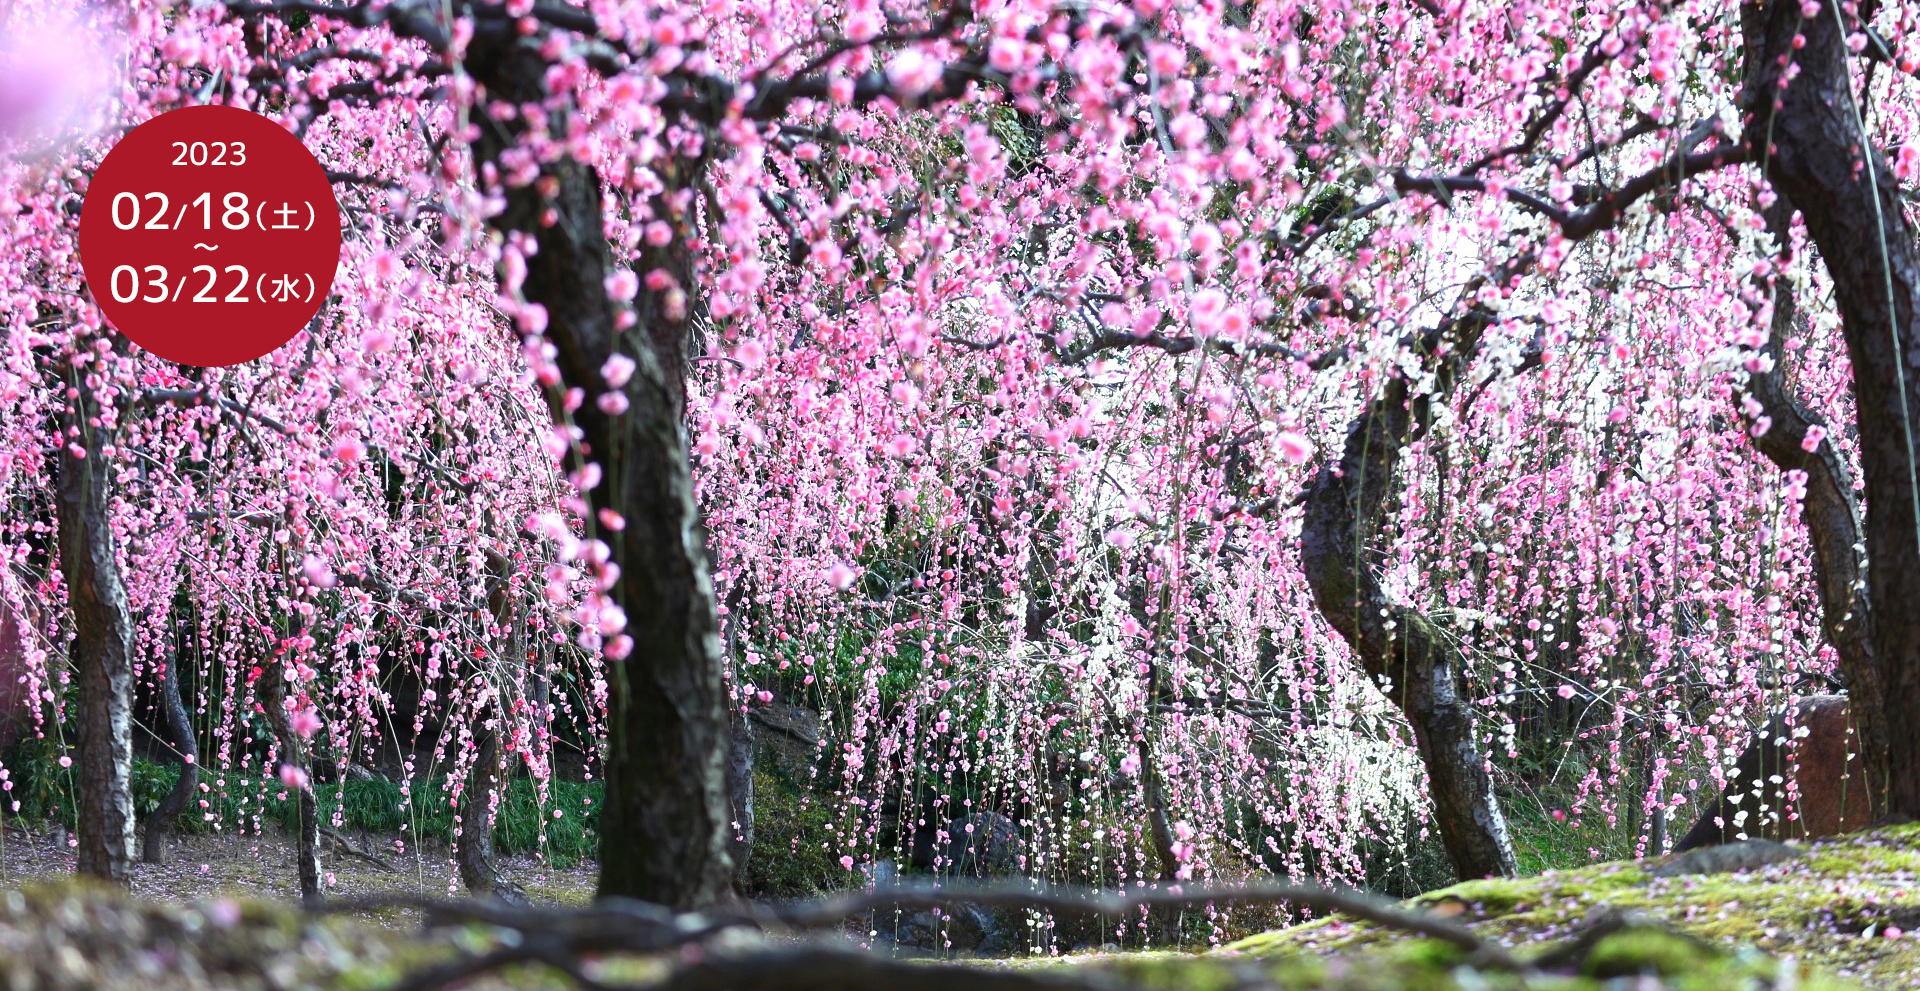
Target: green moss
x,y
1289,940
1831,908
118,934
1432,954
74,933
1675,962
1646,951
1168,971
1410,964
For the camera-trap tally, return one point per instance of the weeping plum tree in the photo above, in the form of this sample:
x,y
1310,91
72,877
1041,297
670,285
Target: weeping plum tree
x,y
332,490
995,348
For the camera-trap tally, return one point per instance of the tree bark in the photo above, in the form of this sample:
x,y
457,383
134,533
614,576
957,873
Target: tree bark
x,y
1830,509
478,869
160,824
664,828
740,746
1346,507
479,800
740,752
102,654
1825,162
293,750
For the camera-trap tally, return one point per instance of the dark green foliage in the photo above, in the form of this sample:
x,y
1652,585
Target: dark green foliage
x,y
377,806
44,790
1419,866
794,853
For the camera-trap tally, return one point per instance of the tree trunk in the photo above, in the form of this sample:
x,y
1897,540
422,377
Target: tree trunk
x,y
740,751
1830,510
1346,507
293,751
180,733
478,870
664,829
102,655
740,792
481,797
1853,212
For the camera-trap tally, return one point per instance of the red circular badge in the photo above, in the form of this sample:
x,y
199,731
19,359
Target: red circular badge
x,y
210,236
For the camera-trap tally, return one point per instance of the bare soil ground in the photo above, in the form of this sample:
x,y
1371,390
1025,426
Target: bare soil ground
x,y
262,868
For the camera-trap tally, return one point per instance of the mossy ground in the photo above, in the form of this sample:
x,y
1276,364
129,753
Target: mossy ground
x,y
1818,923
74,934
1634,960
1838,909
1822,922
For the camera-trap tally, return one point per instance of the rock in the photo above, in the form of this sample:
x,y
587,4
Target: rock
x,y
1811,746
800,723
789,736
983,844
1727,858
966,930
980,845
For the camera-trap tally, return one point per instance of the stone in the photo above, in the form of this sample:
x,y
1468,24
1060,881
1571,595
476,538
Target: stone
x,y
788,736
1819,754
981,845
1728,858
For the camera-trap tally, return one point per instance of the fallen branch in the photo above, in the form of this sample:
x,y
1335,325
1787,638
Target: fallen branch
x,y
351,849
562,938
1356,904
818,968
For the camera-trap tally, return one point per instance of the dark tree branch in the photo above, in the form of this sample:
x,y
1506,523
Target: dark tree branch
x,y
192,397
1419,665
957,15
408,18
820,968
1115,340
1831,511
1541,123
1603,210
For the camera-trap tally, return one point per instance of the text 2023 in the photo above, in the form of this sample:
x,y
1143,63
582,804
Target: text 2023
x,y
210,152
